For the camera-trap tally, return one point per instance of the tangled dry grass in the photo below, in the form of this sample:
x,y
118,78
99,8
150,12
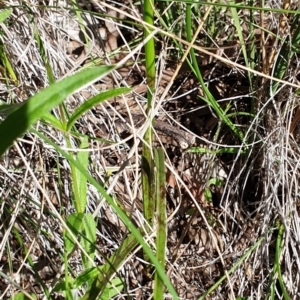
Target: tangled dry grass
x,y
230,237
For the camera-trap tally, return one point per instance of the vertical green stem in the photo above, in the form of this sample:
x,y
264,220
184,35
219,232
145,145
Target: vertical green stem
x,y
252,54
148,179
149,49
161,220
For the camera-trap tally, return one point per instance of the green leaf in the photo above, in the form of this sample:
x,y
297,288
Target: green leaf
x,y
161,232
131,241
112,289
100,283
230,150
48,117
207,195
230,271
92,102
61,286
74,223
237,23
287,50
86,276
21,296
79,181
37,106
88,238
6,109
216,181
4,14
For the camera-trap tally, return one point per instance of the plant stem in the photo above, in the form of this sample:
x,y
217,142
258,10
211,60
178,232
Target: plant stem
x,y
148,163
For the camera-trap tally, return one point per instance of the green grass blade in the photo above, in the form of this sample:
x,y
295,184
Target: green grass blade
x,y
4,14
282,62
94,101
42,50
79,181
148,182
230,150
77,10
87,275
122,215
237,24
74,223
240,6
113,289
8,68
270,294
101,281
287,50
210,100
149,48
35,107
88,238
161,238
147,159
237,264
55,122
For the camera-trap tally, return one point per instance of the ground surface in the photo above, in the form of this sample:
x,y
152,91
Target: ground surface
x,y
224,206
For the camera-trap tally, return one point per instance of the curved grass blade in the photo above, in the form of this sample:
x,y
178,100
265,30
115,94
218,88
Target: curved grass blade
x,y
93,101
233,268
35,107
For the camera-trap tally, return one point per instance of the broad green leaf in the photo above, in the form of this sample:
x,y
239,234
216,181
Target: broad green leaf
x,y
21,296
86,276
108,270
48,117
88,239
61,286
93,101
37,106
4,14
6,109
79,181
74,223
112,289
